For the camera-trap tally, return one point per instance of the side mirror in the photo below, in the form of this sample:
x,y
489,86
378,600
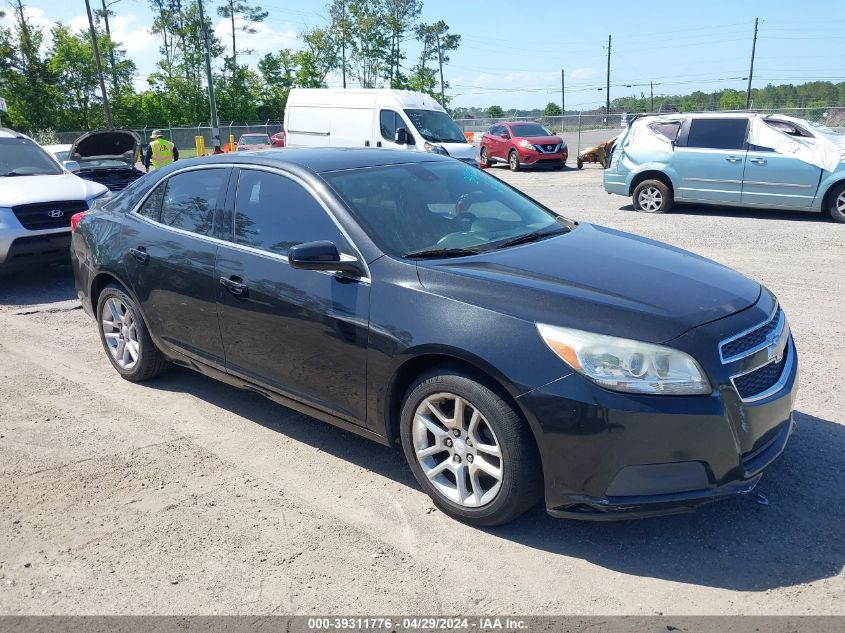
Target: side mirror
x,y
71,165
323,255
401,136
504,135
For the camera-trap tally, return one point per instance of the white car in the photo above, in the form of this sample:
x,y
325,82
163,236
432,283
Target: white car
x,y
38,196
61,152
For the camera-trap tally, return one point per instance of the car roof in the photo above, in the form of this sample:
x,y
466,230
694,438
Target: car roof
x,y
319,159
7,133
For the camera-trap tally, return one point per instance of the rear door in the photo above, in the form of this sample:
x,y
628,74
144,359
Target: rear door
x,y
169,260
302,333
709,160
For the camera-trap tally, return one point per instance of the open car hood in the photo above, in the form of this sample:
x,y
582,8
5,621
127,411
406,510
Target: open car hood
x,y
102,144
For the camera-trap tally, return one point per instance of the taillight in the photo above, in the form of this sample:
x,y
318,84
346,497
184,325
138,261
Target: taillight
x,y
75,219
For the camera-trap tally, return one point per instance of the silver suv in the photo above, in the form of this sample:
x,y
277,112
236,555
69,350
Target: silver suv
x,y
38,196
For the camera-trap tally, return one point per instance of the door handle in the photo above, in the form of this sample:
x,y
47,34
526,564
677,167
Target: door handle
x,y
733,159
366,143
378,143
759,161
234,285
140,254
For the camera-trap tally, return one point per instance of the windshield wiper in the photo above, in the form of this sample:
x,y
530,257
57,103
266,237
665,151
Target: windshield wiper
x,y
431,253
535,236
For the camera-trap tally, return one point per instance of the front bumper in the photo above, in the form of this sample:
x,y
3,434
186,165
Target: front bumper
x,y
529,158
609,455
20,247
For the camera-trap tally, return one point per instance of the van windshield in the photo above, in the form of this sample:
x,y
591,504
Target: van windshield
x,y
436,127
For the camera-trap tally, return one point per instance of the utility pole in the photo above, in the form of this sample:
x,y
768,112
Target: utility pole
x,y
751,70
106,109
607,89
562,94
651,83
215,124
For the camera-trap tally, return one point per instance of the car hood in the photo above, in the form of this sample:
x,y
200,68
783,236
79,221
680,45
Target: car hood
x,y
543,140
34,189
598,279
106,144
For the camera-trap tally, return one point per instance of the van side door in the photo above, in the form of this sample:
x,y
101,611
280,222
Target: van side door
x,y
709,160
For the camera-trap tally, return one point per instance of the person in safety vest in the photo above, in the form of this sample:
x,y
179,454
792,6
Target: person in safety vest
x,y
160,152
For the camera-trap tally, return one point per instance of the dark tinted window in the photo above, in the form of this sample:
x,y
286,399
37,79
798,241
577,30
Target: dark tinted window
x,y
191,198
387,121
152,206
717,133
529,129
274,213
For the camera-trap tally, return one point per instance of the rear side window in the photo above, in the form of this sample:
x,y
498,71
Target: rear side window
x,y
717,133
191,198
274,213
152,206
666,130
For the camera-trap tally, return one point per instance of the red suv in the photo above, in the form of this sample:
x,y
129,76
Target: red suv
x,y
522,144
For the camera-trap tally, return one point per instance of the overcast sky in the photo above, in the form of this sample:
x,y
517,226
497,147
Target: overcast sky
x,y
512,53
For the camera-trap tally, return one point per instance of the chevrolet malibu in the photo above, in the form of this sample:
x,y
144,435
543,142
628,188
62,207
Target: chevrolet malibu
x,y
412,299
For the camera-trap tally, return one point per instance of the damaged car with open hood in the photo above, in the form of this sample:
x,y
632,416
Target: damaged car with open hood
x,y
108,157
733,159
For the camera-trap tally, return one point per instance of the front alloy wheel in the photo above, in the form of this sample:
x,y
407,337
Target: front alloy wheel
x,y
457,450
469,450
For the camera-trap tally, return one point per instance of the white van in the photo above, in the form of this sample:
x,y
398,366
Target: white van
x,y
395,119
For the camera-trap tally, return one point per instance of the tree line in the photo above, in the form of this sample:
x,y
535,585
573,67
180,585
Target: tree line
x,y
363,42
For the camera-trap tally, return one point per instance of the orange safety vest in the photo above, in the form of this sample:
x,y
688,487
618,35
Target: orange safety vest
x,y
162,152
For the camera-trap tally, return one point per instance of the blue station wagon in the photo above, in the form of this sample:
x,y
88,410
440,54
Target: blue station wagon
x,y
735,159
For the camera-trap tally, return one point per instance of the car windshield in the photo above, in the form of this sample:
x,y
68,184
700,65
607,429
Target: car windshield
x,y
22,157
255,139
62,155
529,129
443,209
435,126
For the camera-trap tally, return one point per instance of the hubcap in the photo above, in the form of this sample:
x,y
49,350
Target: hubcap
x,y
840,203
514,160
650,199
457,450
120,332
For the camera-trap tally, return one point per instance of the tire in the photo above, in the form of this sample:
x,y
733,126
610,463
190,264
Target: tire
x,y
484,500
513,160
836,209
118,313
485,158
652,196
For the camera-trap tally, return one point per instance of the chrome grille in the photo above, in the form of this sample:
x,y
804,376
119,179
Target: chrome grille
x,y
761,379
547,148
751,341
47,215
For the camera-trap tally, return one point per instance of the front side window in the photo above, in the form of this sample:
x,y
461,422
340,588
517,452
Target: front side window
x,y
717,133
274,213
416,207
387,122
23,157
190,199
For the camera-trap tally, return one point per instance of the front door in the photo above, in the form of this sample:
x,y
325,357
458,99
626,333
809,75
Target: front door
x,y
169,259
779,180
709,159
302,333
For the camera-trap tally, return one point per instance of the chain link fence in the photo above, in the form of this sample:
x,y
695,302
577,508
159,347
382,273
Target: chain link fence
x,y
184,137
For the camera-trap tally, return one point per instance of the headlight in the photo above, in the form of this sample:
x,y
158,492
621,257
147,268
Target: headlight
x,y
625,365
435,149
526,144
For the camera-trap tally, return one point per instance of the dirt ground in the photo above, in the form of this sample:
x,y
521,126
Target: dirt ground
x,y
186,496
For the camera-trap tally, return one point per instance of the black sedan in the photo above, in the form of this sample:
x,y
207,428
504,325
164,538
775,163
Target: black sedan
x,y
416,300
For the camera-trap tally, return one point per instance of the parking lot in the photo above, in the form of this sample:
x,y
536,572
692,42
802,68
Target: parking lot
x,y
186,496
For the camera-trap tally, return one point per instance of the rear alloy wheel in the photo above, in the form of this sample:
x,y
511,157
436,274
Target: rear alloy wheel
x,y
513,160
652,196
485,158
837,204
125,337
469,450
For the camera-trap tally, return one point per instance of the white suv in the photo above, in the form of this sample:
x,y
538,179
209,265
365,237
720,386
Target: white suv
x,y
38,196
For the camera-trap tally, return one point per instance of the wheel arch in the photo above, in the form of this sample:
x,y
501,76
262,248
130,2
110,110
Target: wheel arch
x,y
100,281
651,174
831,188
425,360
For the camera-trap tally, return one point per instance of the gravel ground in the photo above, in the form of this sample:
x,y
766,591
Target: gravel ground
x,y
186,496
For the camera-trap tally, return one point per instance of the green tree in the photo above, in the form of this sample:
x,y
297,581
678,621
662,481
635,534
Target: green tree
x,y
402,16
317,59
551,109
731,100
436,43
495,112
243,17
369,39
